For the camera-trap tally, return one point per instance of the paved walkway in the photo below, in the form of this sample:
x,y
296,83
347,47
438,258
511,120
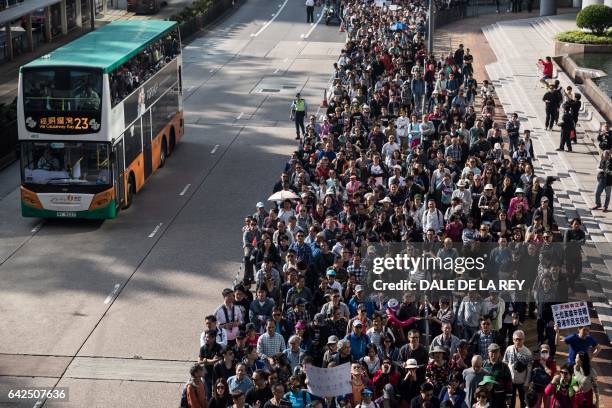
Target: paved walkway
x,y
506,53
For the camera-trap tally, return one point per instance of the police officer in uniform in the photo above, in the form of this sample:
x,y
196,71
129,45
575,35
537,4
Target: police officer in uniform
x,y
298,113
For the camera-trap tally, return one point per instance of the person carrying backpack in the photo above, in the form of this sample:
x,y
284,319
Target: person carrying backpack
x,y
194,393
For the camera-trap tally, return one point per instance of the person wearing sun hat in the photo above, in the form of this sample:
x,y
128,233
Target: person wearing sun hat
x,y
438,369
519,197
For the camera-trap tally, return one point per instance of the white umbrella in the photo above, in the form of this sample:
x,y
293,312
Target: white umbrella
x,y
283,195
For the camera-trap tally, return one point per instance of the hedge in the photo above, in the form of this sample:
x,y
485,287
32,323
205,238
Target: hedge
x,y
580,37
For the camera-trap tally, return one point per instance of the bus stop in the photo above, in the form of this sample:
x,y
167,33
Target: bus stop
x,y
24,25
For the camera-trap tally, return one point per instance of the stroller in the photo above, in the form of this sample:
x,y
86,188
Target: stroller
x,y
332,12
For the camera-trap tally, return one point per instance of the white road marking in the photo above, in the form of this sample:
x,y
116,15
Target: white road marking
x,y
276,70
182,193
313,26
240,116
37,228
302,35
157,227
272,14
38,404
112,294
212,70
271,20
214,149
279,5
286,59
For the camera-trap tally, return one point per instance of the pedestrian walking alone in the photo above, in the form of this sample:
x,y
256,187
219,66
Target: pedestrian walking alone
x,y
604,181
310,5
298,113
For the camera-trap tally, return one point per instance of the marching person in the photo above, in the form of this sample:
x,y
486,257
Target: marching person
x,y
604,181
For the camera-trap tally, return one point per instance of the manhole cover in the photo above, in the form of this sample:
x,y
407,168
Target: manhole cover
x,y
269,90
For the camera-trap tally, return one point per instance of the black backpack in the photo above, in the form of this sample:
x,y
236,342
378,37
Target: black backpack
x,y
540,379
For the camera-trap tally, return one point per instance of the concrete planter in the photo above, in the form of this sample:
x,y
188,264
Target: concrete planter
x,y
564,48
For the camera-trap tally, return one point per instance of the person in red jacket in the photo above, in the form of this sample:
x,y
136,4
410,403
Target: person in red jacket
x,y
547,70
385,375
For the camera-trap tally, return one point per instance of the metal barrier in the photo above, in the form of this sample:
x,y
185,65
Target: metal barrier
x,y
194,24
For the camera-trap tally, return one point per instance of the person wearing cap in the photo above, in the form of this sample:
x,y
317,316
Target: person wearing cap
x,y
521,154
359,300
330,351
260,214
366,399
500,372
298,312
299,109
229,316
358,339
543,370
545,212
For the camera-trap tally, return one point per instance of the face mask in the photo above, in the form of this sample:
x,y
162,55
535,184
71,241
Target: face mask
x,y
544,355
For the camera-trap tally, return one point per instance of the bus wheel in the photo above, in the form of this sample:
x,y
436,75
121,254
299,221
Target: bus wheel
x,y
131,190
163,153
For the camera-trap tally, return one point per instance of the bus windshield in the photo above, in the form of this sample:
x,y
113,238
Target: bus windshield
x,y
82,163
62,90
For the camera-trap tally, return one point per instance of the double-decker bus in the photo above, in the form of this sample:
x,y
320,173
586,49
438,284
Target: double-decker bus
x,y
97,117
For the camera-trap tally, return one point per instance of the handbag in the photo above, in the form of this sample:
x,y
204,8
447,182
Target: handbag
x,y
572,134
518,365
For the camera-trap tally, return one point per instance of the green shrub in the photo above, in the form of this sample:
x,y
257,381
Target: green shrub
x,y
580,37
596,18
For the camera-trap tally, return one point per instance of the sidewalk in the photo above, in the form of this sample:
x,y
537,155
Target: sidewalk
x,y
507,55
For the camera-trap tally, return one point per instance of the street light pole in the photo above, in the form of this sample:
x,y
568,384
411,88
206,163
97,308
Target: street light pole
x,y
92,13
430,26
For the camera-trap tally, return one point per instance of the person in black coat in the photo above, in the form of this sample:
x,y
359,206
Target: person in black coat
x,y
567,127
574,239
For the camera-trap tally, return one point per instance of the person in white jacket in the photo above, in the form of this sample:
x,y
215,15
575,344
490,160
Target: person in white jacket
x,y
520,360
432,218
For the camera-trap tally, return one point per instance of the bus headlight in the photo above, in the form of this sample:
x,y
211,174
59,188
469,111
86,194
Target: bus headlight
x,y
102,199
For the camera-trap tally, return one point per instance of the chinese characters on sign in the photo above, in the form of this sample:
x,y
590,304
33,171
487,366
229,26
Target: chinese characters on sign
x,y
64,122
329,382
572,314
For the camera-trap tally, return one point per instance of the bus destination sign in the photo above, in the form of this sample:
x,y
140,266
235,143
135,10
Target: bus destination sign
x,y
75,124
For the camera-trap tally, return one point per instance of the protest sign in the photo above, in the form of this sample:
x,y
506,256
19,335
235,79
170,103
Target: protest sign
x,y
572,314
329,382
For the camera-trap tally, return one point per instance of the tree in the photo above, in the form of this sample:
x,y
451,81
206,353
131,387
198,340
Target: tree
x,y
596,18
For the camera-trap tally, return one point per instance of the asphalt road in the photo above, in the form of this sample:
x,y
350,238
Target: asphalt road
x,y
113,310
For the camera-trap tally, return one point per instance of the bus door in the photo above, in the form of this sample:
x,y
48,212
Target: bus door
x,y
146,150
118,170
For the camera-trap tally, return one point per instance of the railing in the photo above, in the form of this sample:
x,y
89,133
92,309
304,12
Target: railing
x,y
195,23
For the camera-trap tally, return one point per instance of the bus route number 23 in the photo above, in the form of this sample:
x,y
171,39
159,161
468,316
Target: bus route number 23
x,y
81,123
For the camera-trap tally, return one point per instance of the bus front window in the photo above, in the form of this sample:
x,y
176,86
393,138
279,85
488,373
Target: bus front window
x,y
83,163
62,90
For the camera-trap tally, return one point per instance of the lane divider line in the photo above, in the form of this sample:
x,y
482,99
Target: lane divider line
x,y
155,230
214,149
37,227
276,70
274,16
112,294
182,193
240,116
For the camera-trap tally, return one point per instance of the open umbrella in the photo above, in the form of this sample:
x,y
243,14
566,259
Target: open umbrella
x,y
283,195
398,26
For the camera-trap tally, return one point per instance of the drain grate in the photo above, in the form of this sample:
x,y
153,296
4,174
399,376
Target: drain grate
x,y
269,90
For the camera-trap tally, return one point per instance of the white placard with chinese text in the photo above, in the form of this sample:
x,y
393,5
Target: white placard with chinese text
x,y
572,314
